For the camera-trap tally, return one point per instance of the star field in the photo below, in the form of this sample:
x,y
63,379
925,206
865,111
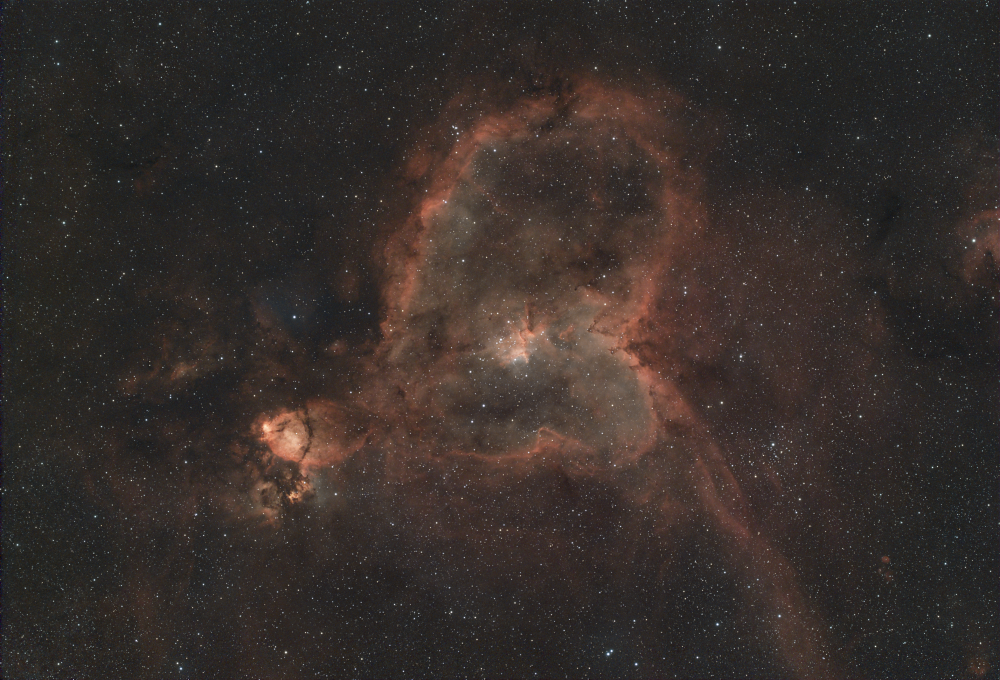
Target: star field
x,y
500,340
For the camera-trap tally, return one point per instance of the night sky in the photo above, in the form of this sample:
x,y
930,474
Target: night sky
x,y
500,340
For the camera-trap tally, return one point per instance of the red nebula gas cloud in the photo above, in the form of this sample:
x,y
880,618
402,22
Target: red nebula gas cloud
x,y
524,287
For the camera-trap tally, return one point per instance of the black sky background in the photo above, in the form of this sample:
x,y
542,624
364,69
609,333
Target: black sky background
x,y
209,182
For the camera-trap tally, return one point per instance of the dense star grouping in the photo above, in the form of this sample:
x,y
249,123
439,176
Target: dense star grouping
x,y
582,349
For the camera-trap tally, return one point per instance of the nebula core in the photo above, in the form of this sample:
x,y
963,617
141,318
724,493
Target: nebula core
x,y
577,354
